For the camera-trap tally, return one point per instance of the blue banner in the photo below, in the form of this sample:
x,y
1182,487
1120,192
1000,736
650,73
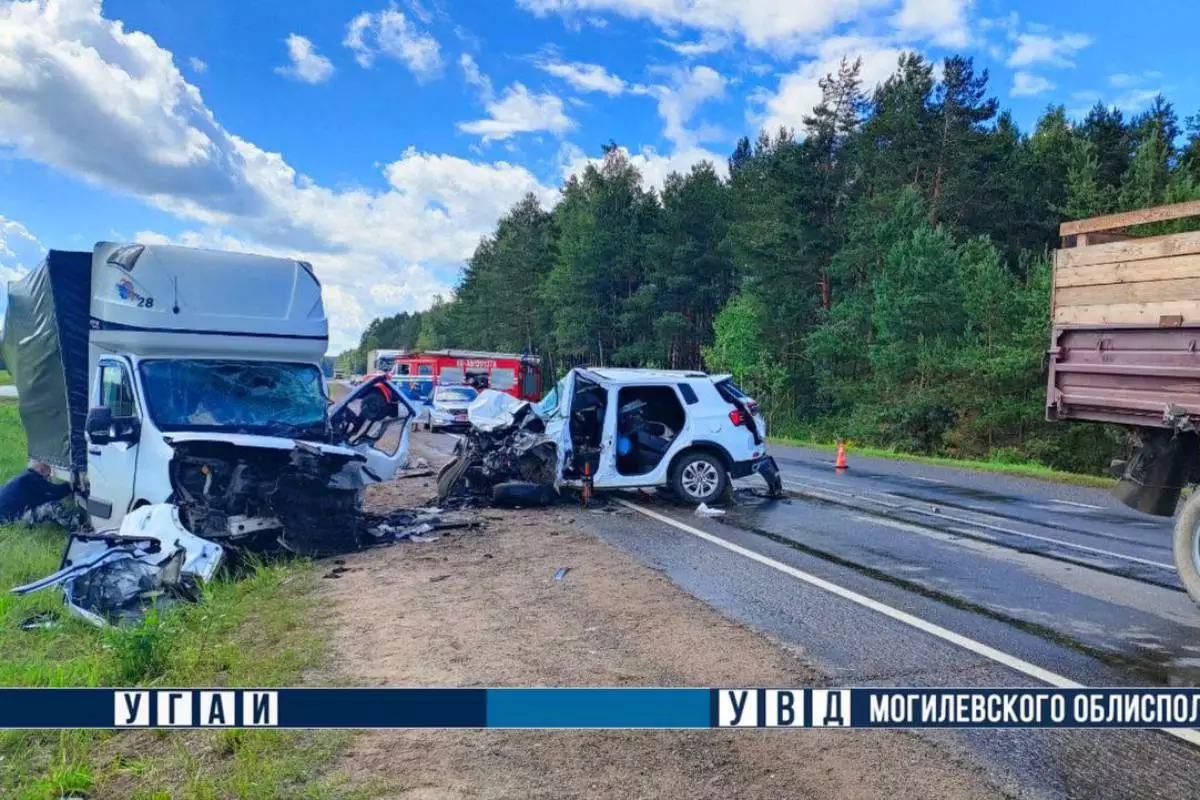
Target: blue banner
x,y
600,708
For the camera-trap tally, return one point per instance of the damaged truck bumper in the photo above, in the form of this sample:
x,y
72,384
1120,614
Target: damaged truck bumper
x,y
116,577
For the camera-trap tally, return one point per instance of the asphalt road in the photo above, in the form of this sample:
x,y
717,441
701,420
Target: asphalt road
x,y
1059,580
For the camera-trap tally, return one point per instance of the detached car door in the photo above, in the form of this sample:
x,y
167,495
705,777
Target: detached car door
x,y
113,430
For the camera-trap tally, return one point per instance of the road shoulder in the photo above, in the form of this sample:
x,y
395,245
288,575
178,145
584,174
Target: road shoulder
x,y
485,609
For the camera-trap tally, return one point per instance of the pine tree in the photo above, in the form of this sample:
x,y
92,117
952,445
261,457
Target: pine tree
x,y
1087,194
1105,128
960,107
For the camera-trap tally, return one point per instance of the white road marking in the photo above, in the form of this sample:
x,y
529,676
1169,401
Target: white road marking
x,y
1077,505
928,480
1020,665
985,525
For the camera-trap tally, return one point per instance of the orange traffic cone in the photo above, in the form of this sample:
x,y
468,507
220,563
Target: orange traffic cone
x,y
841,464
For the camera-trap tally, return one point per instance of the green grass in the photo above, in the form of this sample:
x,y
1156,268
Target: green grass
x,y
5,378
1036,471
266,629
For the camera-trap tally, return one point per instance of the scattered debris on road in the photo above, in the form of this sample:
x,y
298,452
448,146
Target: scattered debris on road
x,y
704,510
419,473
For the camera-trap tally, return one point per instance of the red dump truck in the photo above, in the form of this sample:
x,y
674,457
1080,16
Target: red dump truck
x,y
1125,349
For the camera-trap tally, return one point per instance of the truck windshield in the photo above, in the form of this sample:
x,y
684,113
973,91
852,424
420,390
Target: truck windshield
x,y
252,397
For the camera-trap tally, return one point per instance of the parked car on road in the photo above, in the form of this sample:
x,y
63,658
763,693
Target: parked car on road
x,y
448,407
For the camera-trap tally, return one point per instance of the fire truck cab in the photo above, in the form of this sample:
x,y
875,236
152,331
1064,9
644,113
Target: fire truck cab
x,y
513,374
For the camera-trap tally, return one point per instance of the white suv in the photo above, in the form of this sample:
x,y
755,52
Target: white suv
x,y
627,428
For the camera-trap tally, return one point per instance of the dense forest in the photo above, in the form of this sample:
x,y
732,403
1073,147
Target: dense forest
x,y
881,275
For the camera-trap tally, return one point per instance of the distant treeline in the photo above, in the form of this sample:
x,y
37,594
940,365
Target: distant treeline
x,y
882,275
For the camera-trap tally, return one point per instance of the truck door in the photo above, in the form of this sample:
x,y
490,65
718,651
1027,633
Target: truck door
x,y
113,429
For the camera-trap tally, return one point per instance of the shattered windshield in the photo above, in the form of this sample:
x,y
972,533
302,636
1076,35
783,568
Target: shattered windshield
x,y
252,397
549,405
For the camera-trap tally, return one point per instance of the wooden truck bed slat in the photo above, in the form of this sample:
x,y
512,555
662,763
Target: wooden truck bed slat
x,y
1126,319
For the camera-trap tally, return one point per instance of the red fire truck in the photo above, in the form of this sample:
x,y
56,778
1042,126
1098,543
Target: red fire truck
x,y
517,375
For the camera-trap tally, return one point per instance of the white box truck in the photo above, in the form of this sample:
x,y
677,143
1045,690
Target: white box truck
x,y
152,374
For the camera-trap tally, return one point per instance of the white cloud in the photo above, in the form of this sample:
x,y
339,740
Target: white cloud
x,y
769,24
64,68
945,21
585,77
1127,91
1131,99
20,250
677,103
798,92
1125,80
420,12
702,47
198,65
1056,51
520,111
653,166
1026,84
474,77
306,64
391,34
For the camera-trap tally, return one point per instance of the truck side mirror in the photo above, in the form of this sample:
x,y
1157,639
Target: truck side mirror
x,y
103,428
99,425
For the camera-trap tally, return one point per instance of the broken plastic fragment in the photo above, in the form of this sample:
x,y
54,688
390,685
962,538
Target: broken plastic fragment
x,y
703,510
44,620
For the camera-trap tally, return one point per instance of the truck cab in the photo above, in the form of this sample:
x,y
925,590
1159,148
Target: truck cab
x,y
195,377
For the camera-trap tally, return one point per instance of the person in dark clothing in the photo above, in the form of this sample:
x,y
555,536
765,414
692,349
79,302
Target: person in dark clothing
x,y
28,490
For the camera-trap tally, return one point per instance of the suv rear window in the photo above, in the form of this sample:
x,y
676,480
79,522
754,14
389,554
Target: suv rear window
x,y
731,393
689,394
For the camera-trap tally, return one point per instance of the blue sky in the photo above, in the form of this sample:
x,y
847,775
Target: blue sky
x,y
380,140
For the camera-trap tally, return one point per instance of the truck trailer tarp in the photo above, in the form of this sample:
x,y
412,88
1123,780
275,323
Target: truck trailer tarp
x,y
46,350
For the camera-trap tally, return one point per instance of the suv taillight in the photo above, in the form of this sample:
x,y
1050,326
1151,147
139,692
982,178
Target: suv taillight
x,y
737,417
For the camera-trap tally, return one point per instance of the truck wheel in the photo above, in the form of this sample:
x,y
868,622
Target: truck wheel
x,y
1187,545
699,477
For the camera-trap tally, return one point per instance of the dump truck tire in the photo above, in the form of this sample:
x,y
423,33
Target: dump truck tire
x,y
1187,545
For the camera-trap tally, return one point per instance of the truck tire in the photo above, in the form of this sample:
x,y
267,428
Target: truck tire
x,y
1187,545
700,477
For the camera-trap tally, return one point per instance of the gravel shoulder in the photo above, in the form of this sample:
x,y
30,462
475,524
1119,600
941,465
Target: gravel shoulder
x,y
483,609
